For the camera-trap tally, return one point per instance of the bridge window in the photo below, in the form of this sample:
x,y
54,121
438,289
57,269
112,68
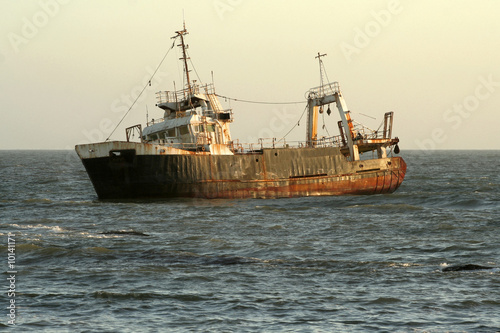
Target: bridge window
x,y
183,130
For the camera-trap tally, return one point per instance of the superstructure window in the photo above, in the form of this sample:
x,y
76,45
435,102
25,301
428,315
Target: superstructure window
x,y
210,128
183,130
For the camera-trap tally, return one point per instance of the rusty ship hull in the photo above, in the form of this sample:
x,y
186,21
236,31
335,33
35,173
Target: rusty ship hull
x,y
126,170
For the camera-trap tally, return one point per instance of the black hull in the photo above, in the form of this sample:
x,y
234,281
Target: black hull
x,y
271,173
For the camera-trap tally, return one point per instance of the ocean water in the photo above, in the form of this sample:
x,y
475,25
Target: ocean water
x,y
318,264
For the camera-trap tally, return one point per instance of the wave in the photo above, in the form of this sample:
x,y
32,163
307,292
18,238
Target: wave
x,y
61,230
147,296
388,206
25,247
34,254
46,181
190,258
39,226
284,208
37,200
67,200
465,203
385,300
179,257
468,267
98,249
130,295
124,232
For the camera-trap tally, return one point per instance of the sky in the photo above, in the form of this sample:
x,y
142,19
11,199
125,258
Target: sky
x,y
70,69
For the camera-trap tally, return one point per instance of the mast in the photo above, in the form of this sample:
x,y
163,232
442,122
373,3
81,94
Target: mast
x,y
312,119
321,69
325,94
181,34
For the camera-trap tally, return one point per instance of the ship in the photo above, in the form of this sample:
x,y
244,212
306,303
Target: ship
x,y
190,152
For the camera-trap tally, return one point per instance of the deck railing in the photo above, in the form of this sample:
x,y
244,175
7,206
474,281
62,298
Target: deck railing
x,y
179,95
324,90
273,143
238,147
362,133
249,148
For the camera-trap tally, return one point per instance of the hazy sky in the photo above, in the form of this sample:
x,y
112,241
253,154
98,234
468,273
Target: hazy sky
x,y
69,69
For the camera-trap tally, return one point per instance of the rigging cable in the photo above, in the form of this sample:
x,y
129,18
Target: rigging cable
x,y
324,124
257,102
148,83
298,124
322,70
194,68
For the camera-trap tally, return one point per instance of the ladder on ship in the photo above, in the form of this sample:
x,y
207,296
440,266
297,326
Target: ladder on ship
x,y
214,103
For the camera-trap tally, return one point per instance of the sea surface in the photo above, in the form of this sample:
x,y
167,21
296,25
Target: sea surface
x,y
318,264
